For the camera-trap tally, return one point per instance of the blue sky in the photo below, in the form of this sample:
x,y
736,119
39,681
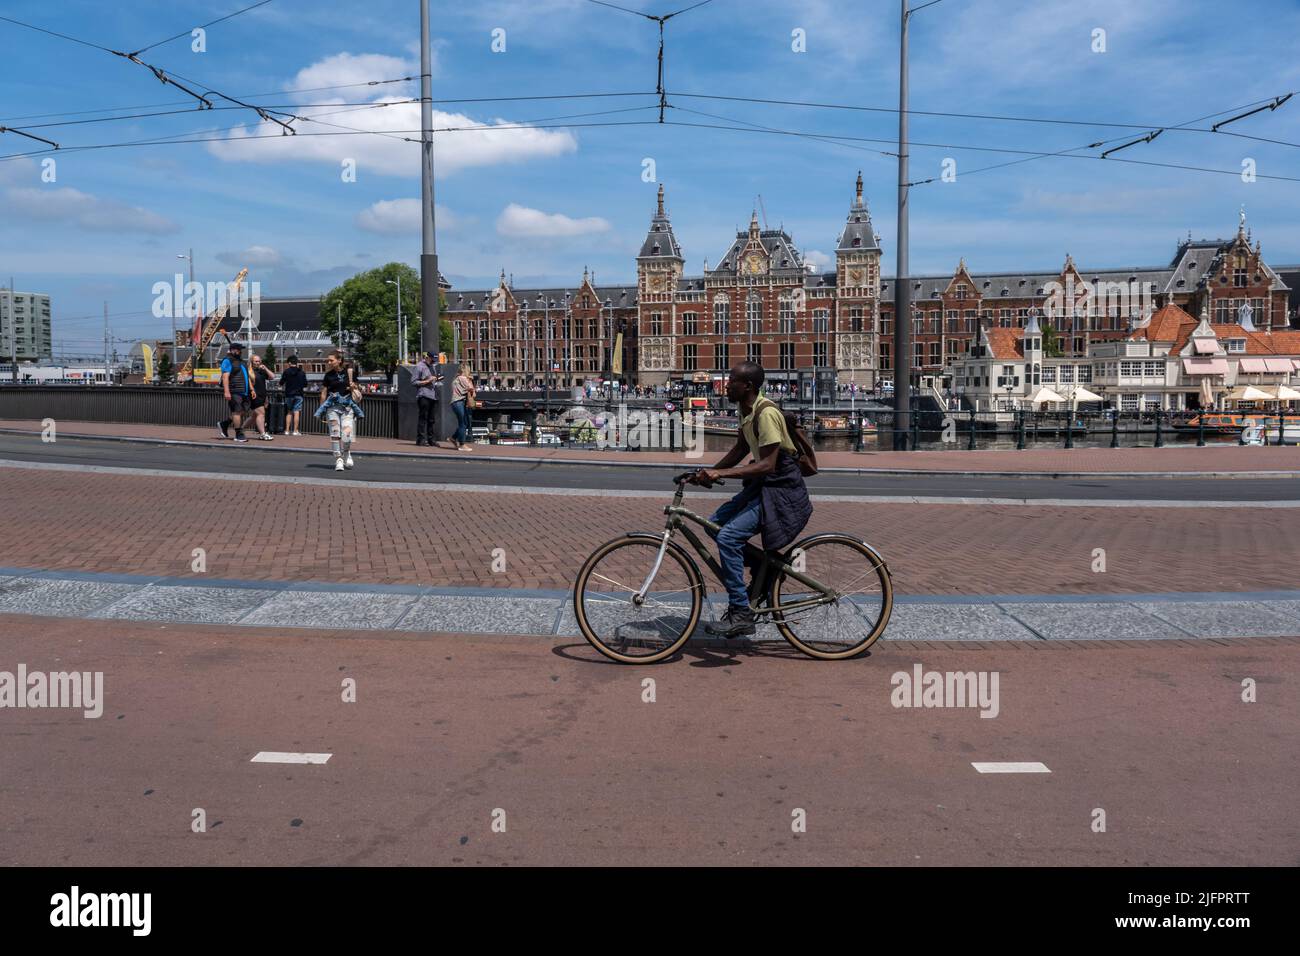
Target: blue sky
x,y
543,202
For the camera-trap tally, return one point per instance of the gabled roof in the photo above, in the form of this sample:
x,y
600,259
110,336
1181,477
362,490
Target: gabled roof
x,y
777,245
1005,344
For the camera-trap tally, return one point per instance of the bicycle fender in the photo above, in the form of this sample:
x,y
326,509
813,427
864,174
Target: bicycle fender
x,y
804,542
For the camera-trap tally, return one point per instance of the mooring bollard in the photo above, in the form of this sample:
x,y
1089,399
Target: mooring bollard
x,y
970,444
1069,429
1160,435
1114,429
1020,429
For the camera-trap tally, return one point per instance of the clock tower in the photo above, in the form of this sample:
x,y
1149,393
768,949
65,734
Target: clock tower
x,y
659,271
857,294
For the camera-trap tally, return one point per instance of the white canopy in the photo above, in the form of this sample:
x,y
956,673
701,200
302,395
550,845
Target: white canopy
x,y
1081,394
1249,393
1044,394
1285,393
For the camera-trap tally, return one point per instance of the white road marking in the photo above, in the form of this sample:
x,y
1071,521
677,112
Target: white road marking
x,y
1011,767
275,756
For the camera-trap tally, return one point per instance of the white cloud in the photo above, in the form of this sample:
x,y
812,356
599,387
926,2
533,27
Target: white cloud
x,y
521,222
64,204
381,147
253,257
392,217
347,68
816,257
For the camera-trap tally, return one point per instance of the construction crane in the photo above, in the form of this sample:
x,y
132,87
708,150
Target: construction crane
x,y
210,327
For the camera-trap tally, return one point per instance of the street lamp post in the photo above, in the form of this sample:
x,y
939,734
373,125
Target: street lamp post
x,y
190,257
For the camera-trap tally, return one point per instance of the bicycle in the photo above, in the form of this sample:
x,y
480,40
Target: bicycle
x,y
638,597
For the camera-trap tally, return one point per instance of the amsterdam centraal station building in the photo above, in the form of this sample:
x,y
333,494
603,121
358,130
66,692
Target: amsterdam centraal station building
x,y
762,301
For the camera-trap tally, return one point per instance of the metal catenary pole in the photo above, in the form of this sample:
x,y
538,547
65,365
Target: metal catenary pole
x,y
429,248
902,282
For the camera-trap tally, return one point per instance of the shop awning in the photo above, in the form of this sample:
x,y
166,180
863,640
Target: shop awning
x,y
1253,365
1205,366
1205,346
1278,364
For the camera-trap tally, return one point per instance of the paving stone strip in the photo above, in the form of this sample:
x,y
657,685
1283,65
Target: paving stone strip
x,y
414,609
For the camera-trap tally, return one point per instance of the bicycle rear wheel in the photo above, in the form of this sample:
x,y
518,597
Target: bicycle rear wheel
x,y
853,619
629,629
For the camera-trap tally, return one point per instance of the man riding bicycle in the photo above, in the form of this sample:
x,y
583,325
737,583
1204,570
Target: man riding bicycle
x,y
774,498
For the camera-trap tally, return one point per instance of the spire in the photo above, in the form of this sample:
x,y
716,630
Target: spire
x,y
858,201
753,224
660,243
1241,228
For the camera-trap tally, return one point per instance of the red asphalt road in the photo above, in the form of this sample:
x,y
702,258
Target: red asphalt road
x,y
137,524
447,729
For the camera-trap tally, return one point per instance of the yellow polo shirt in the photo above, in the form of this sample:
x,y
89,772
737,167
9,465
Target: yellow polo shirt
x,y
771,427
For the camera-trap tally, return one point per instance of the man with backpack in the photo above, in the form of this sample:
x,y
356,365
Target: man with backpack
x,y
238,389
774,499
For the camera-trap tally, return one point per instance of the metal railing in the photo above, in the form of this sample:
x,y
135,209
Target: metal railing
x,y
169,405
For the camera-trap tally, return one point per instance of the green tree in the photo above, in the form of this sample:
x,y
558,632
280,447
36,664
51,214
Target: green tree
x,y
1051,341
369,311
164,370
269,356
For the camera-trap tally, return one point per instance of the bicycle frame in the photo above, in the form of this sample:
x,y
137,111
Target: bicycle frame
x,y
759,560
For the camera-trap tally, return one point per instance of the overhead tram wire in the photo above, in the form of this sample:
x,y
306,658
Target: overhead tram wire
x,y
1075,149
201,26
160,74
181,139
660,20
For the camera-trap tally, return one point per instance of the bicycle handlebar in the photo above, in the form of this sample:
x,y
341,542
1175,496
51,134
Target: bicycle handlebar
x,y
687,476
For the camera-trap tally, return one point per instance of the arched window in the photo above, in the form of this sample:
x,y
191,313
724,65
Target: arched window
x,y
754,313
721,314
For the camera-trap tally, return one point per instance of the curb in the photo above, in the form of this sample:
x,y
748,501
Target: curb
x,y
623,463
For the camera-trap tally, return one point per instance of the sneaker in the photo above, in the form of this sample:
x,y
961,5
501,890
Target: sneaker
x,y
267,436
224,428
338,464
466,448
347,462
241,438
297,434
735,622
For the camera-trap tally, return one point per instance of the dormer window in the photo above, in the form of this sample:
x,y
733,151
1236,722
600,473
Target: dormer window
x,y
857,241
1236,345
655,249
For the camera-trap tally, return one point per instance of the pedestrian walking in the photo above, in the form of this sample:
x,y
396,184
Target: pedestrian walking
x,y
462,400
340,407
237,388
428,384
294,380
262,378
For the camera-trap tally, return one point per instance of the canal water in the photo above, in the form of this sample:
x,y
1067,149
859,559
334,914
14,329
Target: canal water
x,y
932,441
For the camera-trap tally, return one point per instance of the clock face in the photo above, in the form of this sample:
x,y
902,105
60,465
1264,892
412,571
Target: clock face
x,y
856,277
658,283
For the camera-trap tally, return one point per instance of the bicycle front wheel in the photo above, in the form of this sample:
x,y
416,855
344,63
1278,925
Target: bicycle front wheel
x,y
856,612
625,624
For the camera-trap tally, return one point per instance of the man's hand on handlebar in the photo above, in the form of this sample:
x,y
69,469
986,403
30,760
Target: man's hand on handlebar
x,y
705,476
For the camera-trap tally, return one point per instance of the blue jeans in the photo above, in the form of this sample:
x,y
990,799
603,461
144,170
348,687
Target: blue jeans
x,y
462,416
740,518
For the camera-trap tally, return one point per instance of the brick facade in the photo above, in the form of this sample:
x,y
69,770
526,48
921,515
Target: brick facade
x,y
763,300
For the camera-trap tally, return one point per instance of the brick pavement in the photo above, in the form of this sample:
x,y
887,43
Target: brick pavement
x,y
286,532
1214,457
